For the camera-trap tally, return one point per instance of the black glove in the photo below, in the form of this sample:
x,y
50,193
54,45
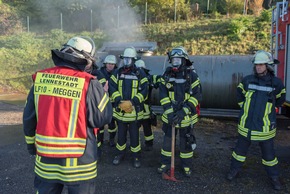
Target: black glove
x,y
176,119
179,116
31,149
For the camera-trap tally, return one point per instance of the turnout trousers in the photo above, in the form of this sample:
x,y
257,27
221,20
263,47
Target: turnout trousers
x,y
112,129
148,135
133,128
185,154
44,187
269,160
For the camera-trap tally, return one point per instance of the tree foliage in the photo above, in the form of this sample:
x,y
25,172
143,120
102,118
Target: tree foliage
x,y
234,6
163,10
256,6
9,21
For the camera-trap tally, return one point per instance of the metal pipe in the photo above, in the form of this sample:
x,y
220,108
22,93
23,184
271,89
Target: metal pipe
x,y
146,4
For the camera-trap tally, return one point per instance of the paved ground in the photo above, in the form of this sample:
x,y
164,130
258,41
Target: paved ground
x,y
215,139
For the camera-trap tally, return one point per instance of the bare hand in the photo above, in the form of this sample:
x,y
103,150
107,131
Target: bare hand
x,y
106,86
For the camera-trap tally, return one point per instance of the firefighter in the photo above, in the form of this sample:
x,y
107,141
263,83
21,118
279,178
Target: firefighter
x,y
109,65
100,135
180,94
149,117
128,88
63,107
258,95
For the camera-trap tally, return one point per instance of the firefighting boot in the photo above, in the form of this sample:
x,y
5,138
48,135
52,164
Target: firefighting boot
x,y
232,174
148,145
117,160
163,168
276,183
136,163
187,171
112,142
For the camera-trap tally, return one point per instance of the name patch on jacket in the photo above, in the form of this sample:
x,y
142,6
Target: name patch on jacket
x,y
261,88
176,80
58,85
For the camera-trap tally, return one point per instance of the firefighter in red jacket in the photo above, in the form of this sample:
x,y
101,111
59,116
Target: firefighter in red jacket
x,y
63,107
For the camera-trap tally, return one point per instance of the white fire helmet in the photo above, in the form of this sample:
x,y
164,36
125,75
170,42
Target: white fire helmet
x,y
130,52
82,44
263,57
178,52
140,63
110,59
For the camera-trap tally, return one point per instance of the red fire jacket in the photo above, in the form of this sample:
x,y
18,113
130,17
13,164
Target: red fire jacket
x,y
61,133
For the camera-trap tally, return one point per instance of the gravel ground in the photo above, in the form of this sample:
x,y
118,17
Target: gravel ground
x,y
215,141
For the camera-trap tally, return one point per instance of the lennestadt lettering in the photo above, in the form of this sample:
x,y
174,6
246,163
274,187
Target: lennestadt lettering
x,y
58,82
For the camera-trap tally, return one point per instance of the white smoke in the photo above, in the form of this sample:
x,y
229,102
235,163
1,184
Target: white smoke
x,y
115,17
120,21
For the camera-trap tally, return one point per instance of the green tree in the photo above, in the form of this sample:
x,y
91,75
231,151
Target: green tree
x,y
256,6
75,13
9,21
163,10
234,6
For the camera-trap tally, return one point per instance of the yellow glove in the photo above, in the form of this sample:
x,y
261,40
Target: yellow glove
x,y
126,106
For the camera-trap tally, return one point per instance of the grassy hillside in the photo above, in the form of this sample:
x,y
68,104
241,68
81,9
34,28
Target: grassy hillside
x,y
213,36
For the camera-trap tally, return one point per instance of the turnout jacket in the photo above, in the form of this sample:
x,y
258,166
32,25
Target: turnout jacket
x,y
128,84
153,82
106,73
100,76
258,96
63,107
180,90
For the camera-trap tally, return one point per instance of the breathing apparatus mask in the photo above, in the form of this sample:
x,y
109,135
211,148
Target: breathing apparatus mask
x,y
128,61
